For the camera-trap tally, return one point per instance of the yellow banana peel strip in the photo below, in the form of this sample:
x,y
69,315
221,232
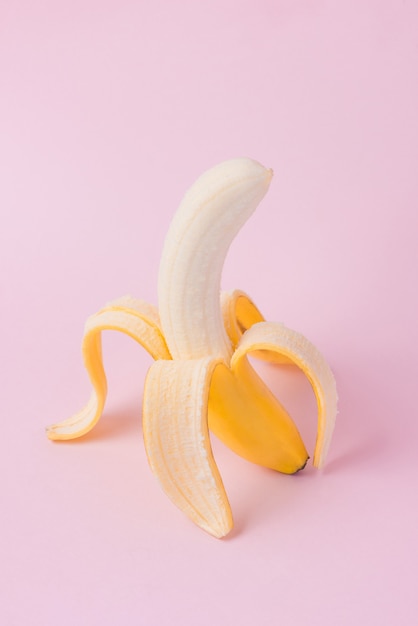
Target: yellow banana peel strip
x,y
177,441
273,337
132,317
239,314
200,341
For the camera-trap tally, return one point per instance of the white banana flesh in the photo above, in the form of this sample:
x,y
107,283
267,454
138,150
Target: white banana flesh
x,y
209,217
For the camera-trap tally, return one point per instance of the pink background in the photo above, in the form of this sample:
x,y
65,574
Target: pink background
x,y
108,112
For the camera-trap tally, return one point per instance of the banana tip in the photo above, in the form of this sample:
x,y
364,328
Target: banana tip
x,y
302,466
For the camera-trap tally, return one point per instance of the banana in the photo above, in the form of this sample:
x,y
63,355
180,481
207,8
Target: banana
x,y
200,339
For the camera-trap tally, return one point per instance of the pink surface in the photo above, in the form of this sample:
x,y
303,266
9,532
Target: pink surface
x,y
109,110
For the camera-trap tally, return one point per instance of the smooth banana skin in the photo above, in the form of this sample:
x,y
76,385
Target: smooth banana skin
x,y
201,340
248,418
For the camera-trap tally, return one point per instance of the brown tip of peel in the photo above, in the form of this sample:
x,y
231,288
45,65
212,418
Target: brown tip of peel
x,y
302,466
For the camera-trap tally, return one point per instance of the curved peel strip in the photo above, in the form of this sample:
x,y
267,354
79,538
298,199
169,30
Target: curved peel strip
x,y
239,314
146,311
140,323
177,441
274,337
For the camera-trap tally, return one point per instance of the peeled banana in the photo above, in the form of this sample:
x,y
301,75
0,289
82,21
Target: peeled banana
x,y
200,339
